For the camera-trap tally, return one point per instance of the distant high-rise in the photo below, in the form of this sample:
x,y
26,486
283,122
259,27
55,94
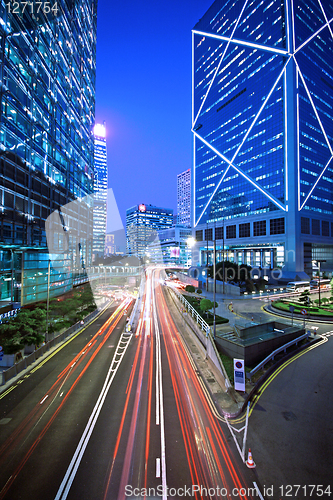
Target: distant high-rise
x,y
100,190
263,133
184,198
142,223
47,111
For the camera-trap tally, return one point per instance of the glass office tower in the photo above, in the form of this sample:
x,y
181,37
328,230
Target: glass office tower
x,y
263,133
184,198
100,190
142,223
47,107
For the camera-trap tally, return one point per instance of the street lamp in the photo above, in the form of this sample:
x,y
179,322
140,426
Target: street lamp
x,y
190,243
318,262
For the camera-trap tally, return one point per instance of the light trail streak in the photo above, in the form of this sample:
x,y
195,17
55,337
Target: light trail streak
x,y
30,421
178,363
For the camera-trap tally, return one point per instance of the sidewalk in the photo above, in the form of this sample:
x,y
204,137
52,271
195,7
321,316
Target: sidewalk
x,y
227,403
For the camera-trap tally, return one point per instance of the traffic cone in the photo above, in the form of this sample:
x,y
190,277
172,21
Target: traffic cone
x,y
250,463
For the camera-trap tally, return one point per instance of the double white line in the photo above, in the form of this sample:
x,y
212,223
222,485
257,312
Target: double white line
x,y
75,462
160,463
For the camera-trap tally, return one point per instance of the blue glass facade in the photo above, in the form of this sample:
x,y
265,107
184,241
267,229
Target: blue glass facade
x,y
47,107
100,190
263,122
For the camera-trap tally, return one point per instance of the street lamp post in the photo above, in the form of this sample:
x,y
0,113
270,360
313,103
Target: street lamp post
x,y
318,262
214,272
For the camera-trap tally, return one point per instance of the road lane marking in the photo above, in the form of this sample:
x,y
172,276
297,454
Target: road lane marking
x,y
258,491
159,367
77,457
158,467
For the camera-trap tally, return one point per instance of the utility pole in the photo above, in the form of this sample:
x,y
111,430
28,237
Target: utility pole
x,y
214,272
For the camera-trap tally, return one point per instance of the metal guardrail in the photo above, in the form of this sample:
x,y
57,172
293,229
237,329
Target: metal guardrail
x,y
203,325
274,353
210,346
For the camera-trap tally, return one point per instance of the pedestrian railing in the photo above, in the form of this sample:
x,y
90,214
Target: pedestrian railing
x,y
274,353
211,350
195,315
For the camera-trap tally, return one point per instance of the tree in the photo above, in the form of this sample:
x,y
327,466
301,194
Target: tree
x,y
232,271
199,291
190,288
206,305
305,298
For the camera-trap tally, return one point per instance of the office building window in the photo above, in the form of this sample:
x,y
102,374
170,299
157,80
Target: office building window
x,y
209,234
199,235
231,232
244,230
325,228
219,233
316,227
259,228
305,225
277,226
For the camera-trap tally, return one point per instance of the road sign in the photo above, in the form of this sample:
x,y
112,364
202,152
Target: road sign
x,y
291,309
304,311
0,347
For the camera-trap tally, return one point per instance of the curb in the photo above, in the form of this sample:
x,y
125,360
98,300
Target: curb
x,y
271,370
296,316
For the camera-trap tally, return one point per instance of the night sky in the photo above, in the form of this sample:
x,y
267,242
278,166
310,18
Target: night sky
x,y
143,93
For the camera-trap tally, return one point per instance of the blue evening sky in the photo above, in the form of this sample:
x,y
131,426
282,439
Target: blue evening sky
x,y
143,92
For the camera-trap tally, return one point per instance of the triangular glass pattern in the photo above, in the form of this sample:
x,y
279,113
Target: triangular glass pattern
x,y
262,154
208,172
308,19
259,14
221,17
328,8
236,197
311,58
208,53
314,152
235,97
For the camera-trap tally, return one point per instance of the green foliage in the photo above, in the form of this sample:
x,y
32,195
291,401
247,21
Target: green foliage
x,y
260,285
206,305
304,299
29,325
199,291
324,300
190,288
232,271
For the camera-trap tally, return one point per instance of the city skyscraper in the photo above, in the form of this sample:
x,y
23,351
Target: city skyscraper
x,y
47,108
142,223
263,132
184,198
100,190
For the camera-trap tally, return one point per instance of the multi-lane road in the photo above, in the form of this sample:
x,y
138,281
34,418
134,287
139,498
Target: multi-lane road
x,y
114,416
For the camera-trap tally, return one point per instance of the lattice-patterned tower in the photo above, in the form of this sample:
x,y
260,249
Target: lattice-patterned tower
x,y
263,131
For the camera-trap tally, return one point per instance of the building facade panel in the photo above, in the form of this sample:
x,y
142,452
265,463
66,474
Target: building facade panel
x,y
263,138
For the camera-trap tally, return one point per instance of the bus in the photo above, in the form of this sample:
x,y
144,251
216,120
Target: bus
x,y
325,284
298,286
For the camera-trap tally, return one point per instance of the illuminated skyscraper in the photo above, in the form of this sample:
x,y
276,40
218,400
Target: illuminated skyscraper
x,y
263,132
100,190
47,111
142,223
184,198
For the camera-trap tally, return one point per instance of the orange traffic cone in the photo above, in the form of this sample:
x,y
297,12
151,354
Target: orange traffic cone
x,y
250,463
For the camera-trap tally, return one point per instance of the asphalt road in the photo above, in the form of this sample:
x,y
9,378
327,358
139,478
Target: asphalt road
x,y
114,416
290,427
